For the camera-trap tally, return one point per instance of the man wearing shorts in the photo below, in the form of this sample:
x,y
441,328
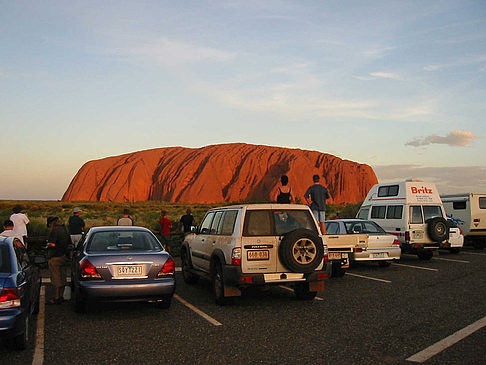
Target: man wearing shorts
x,y
316,197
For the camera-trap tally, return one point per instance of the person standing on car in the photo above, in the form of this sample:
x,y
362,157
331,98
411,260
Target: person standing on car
x,y
165,226
316,196
8,227
126,220
187,221
20,221
284,195
57,249
76,226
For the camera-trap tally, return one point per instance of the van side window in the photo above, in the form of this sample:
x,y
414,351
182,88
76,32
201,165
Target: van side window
x,y
388,190
394,212
416,214
482,203
228,224
458,205
363,213
378,212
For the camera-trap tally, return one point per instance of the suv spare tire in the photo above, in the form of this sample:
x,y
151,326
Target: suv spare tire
x,y
301,250
438,229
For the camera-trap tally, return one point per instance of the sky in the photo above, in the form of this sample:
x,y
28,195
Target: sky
x,y
398,85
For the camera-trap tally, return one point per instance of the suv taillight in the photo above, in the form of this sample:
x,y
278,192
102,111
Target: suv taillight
x,y
326,254
9,298
236,256
167,269
396,241
88,271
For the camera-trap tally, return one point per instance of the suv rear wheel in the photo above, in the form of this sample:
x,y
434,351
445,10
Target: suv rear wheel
x,y
218,285
301,250
302,291
425,254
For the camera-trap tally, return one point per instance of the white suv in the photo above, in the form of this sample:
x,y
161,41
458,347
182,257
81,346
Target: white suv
x,y
256,244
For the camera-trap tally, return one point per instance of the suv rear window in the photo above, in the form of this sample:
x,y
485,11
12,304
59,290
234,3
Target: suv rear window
x,y
113,241
5,259
276,222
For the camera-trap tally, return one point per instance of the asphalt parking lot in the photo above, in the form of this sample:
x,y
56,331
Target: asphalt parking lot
x,y
372,315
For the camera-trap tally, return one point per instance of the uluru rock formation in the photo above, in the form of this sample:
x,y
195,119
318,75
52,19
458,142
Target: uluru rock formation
x,y
219,173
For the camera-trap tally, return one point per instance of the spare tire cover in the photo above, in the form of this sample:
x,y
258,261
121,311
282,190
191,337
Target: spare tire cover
x,y
301,250
438,229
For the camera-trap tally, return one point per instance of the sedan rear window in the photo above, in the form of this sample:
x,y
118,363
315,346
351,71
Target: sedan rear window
x,y
113,241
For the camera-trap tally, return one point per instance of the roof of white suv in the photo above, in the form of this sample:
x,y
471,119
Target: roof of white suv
x,y
264,206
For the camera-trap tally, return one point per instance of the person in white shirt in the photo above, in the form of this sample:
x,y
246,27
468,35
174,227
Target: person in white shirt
x,y
8,227
20,221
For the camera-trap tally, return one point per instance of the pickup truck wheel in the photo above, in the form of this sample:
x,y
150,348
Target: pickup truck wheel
x,y
425,255
187,275
384,263
301,250
438,229
337,270
218,285
302,291
455,250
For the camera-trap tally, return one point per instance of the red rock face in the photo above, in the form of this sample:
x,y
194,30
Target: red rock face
x,y
219,173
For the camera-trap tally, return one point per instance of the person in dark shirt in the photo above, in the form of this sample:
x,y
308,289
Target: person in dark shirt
x,y
187,221
284,195
57,249
76,226
316,197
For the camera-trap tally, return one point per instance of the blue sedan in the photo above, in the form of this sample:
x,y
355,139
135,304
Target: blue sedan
x,y
121,264
20,284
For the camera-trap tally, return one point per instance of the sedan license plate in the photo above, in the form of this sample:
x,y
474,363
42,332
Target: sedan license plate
x,y
255,255
129,270
379,255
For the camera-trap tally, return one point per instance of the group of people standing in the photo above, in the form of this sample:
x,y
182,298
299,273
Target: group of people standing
x,y
315,196
16,225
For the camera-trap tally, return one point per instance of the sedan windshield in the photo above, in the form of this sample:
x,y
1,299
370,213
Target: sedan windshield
x,y
113,241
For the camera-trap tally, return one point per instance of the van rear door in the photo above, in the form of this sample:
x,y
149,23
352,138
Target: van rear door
x,y
478,215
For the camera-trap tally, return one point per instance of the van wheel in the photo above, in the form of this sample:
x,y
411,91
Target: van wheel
x,y
302,291
478,244
425,255
301,250
218,285
438,229
187,275
337,271
384,263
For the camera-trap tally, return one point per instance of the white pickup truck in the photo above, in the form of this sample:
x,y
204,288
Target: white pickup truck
x,y
341,248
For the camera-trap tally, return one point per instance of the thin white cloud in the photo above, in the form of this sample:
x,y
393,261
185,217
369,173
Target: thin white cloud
x,y
463,61
454,179
454,138
385,75
168,51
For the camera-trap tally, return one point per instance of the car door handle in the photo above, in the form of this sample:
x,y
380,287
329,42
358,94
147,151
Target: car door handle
x,y
214,242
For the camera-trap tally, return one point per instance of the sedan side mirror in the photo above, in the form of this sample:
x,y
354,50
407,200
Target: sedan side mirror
x,y
194,229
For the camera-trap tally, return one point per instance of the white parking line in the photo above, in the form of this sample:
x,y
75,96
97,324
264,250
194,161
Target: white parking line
x,y
198,311
292,290
38,358
452,260
368,277
440,346
473,253
416,267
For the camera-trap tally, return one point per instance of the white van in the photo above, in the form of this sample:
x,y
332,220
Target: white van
x,y
412,211
468,211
